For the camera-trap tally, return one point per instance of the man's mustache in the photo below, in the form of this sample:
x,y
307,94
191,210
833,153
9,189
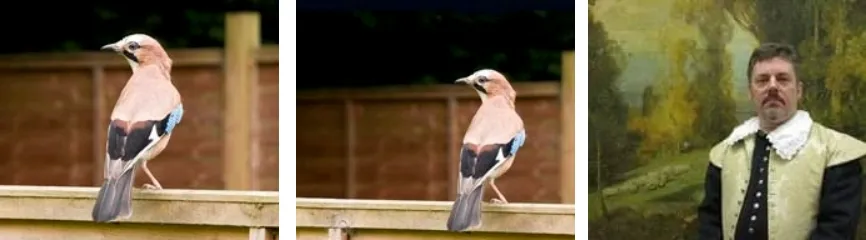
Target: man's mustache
x,y
773,97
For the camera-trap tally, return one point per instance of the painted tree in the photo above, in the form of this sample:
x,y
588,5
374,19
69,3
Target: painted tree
x,y
711,86
648,100
608,113
671,121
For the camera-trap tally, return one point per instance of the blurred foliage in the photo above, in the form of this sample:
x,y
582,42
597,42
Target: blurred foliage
x,y
609,149
351,48
369,48
73,26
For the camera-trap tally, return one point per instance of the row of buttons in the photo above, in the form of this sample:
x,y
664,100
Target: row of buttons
x,y
761,176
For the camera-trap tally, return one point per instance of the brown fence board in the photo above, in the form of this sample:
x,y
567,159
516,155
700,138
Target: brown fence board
x,y
403,144
59,103
405,139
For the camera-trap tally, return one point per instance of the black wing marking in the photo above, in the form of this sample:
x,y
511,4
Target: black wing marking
x,y
507,148
467,161
486,160
476,164
125,140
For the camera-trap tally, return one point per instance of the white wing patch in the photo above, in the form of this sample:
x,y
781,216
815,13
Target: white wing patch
x,y
153,133
500,159
499,156
154,138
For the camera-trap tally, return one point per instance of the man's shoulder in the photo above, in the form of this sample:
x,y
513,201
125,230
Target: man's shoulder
x,y
717,152
840,147
827,135
720,146
737,135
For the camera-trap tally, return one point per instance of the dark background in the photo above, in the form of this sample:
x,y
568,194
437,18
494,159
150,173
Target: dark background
x,y
340,43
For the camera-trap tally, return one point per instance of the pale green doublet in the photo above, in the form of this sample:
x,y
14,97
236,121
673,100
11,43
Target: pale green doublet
x,y
802,150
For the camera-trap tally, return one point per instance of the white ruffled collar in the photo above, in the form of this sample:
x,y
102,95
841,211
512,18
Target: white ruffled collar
x,y
787,139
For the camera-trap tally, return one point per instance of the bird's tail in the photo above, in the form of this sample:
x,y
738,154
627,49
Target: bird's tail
x,y
466,211
114,199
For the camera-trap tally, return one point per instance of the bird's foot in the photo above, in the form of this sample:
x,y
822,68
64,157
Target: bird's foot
x,y
498,201
150,187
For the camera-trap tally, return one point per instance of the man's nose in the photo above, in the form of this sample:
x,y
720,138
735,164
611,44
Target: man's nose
x,y
773,83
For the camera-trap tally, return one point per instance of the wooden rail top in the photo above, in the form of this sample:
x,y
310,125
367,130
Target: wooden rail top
x,y
167,206
555,219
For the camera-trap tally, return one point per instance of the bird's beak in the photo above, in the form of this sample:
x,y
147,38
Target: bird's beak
x,y
112,47
463,80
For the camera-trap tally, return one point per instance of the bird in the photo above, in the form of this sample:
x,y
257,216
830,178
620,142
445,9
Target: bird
x,y
146,112
490,144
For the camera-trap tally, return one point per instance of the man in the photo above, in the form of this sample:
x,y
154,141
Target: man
x,y
780,175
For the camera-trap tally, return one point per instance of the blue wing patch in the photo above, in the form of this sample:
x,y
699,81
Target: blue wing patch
x,y
518,141
174,118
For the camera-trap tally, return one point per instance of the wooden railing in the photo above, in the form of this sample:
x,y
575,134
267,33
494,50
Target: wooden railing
x,y
388,219
33,212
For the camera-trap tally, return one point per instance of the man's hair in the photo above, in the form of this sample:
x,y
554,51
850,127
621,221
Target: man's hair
x,y
769,51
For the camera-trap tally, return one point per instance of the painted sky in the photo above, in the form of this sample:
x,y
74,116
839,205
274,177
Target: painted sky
x,y
636,25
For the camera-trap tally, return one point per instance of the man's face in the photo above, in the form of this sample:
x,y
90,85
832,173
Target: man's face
x,y
775,90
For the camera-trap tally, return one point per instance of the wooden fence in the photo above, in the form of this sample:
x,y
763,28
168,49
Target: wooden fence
x,y
34,212
56,109
416,220
382,143
402,143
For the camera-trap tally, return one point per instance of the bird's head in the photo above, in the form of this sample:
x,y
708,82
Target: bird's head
x,y
140,49
489,83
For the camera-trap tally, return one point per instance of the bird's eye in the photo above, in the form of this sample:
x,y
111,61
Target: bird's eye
x,y
134,46
483,79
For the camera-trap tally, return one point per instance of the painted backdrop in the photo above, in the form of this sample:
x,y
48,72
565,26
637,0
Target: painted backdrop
x,y
668,81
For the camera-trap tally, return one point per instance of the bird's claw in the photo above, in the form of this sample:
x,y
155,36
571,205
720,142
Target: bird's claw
x,y
498,201
150,187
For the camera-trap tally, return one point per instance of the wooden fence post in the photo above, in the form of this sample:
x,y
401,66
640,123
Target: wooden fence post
x,y
242,41
100,124
260,233
454,142
567,138
351,160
